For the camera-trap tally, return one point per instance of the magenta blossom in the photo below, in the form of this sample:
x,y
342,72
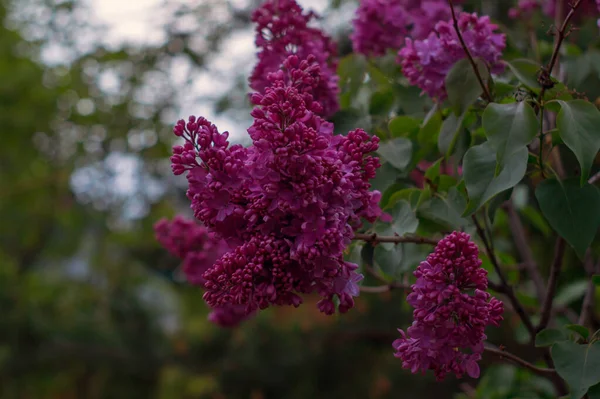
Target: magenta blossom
x,y
427,62
198,249
380,25
288,205
282,29
452,310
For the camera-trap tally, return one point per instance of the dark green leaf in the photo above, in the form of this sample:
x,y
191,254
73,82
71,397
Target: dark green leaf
x,y
509,127
403,126
571,210
549,337
578,123
445,211
404,221
596,279
479,167
581,330
578,365
389,260
449,132
381,102
497,202
526,72
397,152
462,84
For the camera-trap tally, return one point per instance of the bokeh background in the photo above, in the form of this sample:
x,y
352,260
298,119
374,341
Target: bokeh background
x,y
90,305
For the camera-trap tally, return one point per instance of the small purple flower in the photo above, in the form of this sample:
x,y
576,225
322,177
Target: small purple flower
x,y
452,310
381,25
427,62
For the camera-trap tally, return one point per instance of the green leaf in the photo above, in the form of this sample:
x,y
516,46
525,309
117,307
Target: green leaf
x,y
462,84
571,293
404,221
571,210
479,167
509,127
533,216
596,279
578,123
389,260
497,202
581,330
449,133
381,102
526,72
397,152
445,211
403,126
549,337
578,365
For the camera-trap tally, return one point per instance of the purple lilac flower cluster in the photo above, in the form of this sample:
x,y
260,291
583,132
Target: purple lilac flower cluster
x,y
289,203
198,249
427,62
380,25
452,310
282,29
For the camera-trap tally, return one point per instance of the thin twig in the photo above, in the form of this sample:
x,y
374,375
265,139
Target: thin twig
x,y
376,239
505,287
594,178
587,308
559,252
486,92
522,245
521,362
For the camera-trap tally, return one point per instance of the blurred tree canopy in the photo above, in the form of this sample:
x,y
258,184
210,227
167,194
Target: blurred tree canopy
x,y
90,305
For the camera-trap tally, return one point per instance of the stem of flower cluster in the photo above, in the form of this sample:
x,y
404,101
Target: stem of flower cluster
x,y
486,92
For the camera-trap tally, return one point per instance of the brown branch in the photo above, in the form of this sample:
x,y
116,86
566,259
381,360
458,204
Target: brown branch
x,y
546,372
522,245
559,251
376,239
486,92
504,287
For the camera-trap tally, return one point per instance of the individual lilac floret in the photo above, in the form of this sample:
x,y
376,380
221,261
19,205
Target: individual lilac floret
x,y
452,310
427,62
289,204
282,29
198,249
380,25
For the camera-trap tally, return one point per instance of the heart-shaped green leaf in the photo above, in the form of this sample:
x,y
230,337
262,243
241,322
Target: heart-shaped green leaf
x,y
549,337
397,152
462,84
573,211
404,221
509,127
578,365
479,171
578,123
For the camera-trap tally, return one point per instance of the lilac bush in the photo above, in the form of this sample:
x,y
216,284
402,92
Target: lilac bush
x,y
296,205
